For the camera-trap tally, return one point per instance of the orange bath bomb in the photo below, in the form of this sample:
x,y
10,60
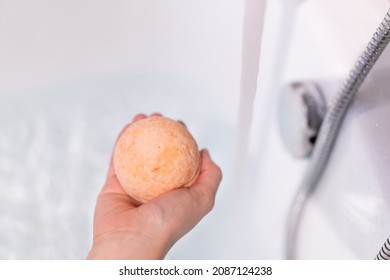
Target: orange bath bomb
x,y
155,155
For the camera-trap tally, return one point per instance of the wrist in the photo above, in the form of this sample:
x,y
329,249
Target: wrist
x,y
127,246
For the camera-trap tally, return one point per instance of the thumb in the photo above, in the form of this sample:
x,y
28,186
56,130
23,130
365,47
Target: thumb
x,y
205,188
181,209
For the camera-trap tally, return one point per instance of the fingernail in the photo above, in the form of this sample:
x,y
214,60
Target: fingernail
x,y
182,123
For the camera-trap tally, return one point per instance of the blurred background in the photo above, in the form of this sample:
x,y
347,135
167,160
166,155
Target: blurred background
x,y
73,73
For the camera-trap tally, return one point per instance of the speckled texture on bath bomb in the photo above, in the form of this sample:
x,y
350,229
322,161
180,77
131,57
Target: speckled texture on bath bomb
x,y
155,155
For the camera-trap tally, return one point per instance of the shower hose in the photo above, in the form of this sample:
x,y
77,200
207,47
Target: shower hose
x,y
328,132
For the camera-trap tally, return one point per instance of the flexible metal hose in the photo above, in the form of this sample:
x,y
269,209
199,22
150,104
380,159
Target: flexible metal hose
x,y
329,129
384,253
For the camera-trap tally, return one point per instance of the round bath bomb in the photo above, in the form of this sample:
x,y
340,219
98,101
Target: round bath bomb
x,y
155,155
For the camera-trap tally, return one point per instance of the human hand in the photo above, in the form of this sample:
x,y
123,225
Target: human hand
x,y
126,229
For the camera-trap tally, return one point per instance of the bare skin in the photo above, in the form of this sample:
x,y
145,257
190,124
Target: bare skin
x,y
124,229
